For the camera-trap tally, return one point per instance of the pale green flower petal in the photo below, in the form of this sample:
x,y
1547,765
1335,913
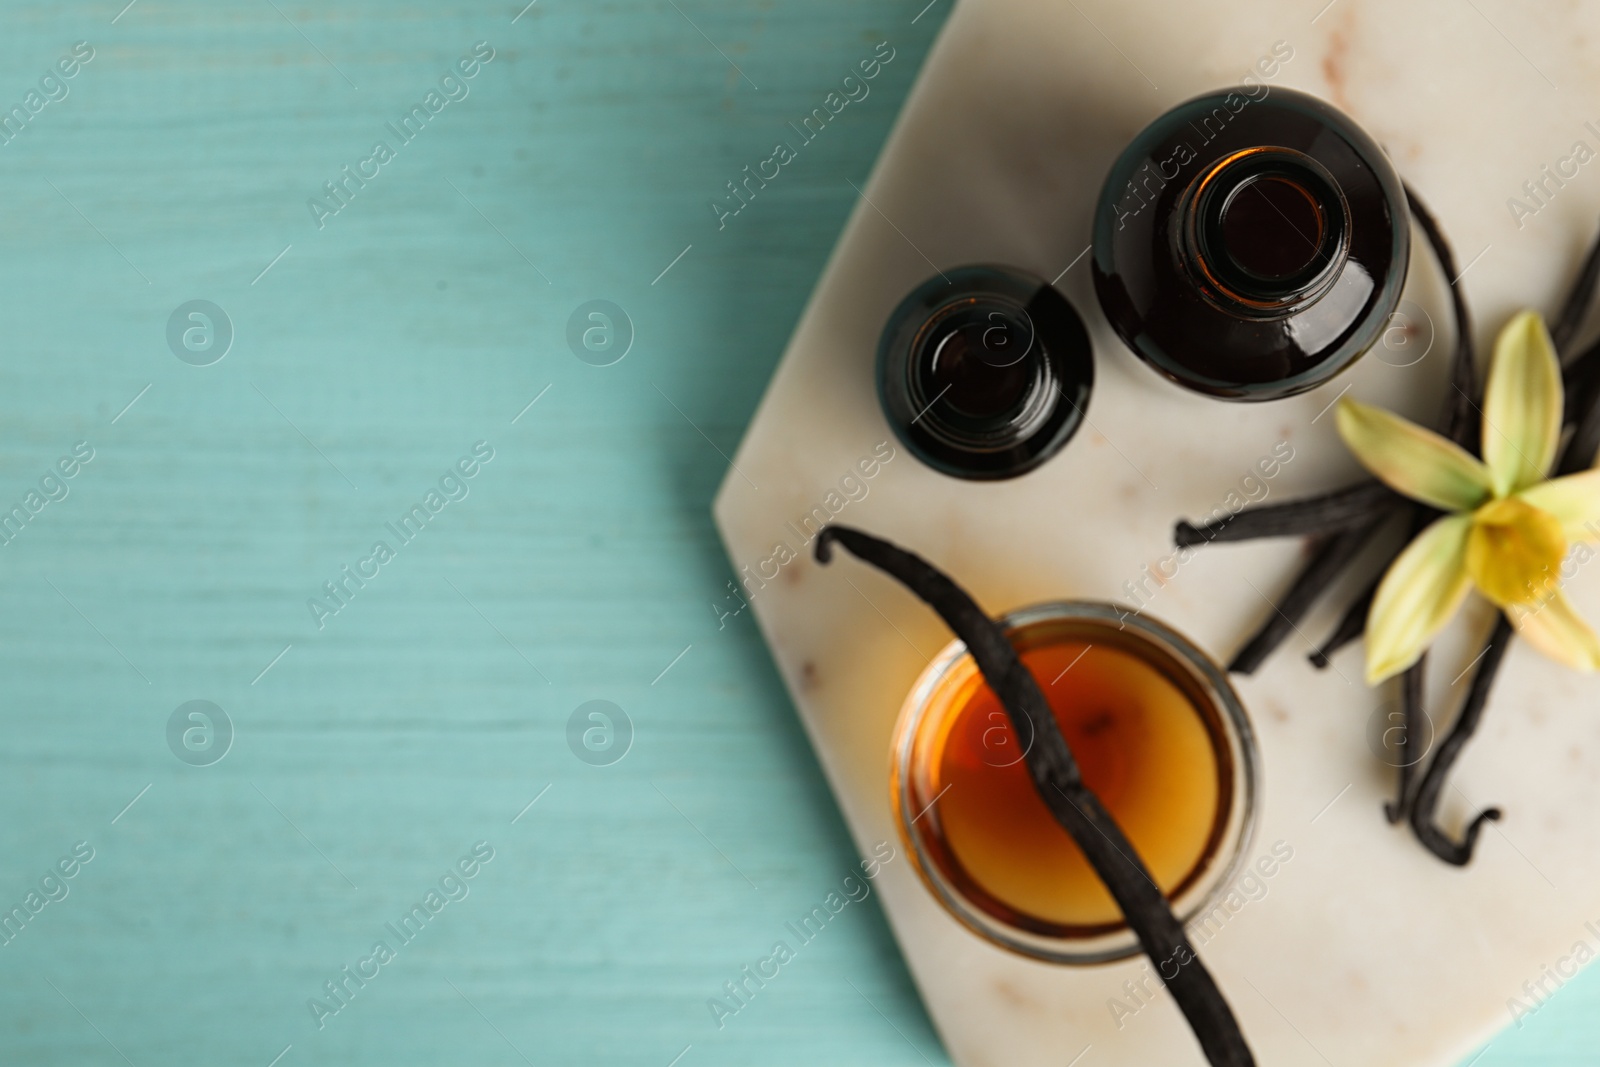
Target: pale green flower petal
x,y
1422,589
1412,460
1553,627
1573,500
1522,405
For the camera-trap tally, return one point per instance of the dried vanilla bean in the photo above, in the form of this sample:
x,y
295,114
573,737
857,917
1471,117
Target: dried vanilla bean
x,y
1579,299
1354,620
1461,425
1413,715
1578,377
1336,510
1333,554
1059,782
1425,804
1585,440
1351,626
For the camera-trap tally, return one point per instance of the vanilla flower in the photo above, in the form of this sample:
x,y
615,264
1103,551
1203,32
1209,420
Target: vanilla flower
x,y
1507,526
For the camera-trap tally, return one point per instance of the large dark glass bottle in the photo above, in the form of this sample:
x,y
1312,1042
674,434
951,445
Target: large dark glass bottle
x,y
1251,245
984,372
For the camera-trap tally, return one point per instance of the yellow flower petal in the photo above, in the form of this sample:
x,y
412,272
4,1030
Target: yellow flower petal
x,y
1422,589
1514,552
1413,461
1555,628
1522,405
1573,500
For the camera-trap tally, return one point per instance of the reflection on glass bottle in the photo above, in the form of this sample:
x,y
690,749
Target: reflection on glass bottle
x,y
984,372
1251,246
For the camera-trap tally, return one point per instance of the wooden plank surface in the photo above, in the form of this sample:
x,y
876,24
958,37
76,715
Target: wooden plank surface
x,y
369,354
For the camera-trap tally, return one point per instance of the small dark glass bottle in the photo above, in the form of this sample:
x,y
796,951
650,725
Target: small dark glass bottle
x,y
984,372
1251,246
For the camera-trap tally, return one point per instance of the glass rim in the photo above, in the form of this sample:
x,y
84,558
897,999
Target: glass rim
x,y
1215,874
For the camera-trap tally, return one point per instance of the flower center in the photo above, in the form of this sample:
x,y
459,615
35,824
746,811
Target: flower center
x,y
1514,552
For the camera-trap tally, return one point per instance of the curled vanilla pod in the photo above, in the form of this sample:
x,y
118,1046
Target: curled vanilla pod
x,y
1583,385
1426,802
1461,405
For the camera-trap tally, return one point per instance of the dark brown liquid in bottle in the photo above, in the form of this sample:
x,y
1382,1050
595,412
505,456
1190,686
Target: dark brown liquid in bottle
x,y
977,380
1273,228
1251,248
984,372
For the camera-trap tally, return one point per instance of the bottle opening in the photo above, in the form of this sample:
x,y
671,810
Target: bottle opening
x,y
1272,227
1268,229
978,361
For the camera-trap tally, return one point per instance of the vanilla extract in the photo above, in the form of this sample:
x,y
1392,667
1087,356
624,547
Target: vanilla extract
x,y
1148,746
1058,780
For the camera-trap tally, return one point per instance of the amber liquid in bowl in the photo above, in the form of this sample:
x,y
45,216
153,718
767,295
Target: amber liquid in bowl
x,y
1150,743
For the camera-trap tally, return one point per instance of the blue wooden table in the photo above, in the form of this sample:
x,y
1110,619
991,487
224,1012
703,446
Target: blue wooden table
x,y
331,500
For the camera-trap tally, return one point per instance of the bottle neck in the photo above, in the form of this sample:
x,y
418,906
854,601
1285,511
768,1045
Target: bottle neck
x,y
980,376
1264,232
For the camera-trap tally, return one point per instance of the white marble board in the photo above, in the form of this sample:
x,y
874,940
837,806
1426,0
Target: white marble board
x,y
1364,950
